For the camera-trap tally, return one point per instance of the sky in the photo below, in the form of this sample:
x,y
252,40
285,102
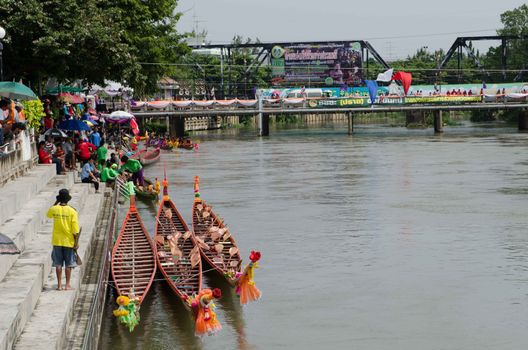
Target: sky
x,y
395,28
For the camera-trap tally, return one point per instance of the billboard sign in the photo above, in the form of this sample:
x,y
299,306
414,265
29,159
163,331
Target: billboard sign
x,y
318,65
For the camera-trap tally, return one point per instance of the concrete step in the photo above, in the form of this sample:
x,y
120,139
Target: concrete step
x,y
16,193
22,285
23,226
53,312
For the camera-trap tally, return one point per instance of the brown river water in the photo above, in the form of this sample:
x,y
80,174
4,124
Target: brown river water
x,y
387,239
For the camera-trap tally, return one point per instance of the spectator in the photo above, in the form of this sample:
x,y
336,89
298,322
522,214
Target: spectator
x,y
64,237
133,166
88,174
3,111
69,154
46,158
85,150
114,159
101,154
109,172
95,138
60,155
50,145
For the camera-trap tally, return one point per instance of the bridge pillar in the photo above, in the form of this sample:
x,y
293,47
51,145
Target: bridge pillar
x,y
262,119
177,126
438,124
263,124
350,116
415,118
523,120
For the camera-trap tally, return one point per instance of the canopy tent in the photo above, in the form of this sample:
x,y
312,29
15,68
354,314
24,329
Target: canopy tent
x,y
63,88
111,88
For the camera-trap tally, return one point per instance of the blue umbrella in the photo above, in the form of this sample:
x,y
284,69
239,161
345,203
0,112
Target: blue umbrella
x,y
73,124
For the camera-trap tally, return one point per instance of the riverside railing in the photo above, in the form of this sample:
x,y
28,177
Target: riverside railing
x,y
12,164
91,337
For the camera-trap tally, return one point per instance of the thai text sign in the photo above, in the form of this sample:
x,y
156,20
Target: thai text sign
x,y
329,64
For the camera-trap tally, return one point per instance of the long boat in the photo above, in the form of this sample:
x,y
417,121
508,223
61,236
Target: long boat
x,y
150,157
146,195
133,257
217,246
138,154
178,255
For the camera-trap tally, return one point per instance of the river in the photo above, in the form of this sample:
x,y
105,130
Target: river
x,y
387,239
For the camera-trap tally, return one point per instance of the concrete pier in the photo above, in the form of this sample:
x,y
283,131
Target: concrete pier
x,y
438,123
350,123
523,120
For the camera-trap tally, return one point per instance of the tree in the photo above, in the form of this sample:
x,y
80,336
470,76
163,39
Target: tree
x,y
125,40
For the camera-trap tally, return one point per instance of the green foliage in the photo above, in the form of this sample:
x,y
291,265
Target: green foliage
x,y
34,111
287,119
91,40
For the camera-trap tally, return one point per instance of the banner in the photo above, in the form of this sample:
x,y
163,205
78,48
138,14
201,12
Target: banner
x,y
441,99
329,64
340,103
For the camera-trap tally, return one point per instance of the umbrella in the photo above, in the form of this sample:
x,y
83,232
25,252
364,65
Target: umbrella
x,y
17,91
73,124
55,133
7,246
119,117
90,122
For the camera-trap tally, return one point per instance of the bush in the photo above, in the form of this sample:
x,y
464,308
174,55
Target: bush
x,y
34,111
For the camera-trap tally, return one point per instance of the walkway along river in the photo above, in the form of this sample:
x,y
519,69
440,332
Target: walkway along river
x,y
387,239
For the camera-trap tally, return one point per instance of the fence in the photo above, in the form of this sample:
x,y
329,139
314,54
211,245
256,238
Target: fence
x,y
12,164
91,337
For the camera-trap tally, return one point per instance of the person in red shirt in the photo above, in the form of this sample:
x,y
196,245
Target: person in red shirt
x,y
85,150
46,158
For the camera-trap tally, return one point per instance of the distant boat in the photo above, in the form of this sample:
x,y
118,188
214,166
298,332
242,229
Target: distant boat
x,y
217,246
177,255
133,257
150,157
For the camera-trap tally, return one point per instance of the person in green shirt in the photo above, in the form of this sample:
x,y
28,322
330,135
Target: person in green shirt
x,y
109,172
135,168
101,154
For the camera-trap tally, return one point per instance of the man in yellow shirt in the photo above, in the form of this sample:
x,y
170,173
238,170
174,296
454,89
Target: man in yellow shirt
x,y
64,237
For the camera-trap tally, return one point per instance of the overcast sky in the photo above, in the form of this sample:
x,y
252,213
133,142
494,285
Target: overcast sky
x,y
394,28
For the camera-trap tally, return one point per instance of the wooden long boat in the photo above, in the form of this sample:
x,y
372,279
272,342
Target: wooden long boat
x,y
220,250
147,195
178,256
138,154
150,157
133,257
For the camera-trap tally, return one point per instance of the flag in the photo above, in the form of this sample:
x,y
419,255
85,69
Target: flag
x,y
134,126
372,86
405,78
385,76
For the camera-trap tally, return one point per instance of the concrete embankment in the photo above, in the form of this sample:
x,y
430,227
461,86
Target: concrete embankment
x,y
34,314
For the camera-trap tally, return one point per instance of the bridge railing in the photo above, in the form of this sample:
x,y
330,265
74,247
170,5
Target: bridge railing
x,y
331,102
